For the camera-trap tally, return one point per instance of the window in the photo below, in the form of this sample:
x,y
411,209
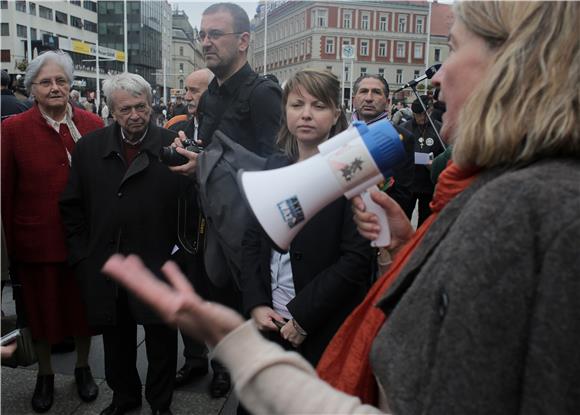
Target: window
x,y
329,69
32,8
181,67
363,71
383,23
399,78
400,50
402,23
90,5
320,17
181,51
382,48
347,19
181,84
4,4
75,2
61,17
33,35
346,73
420,24
21,31
5,29
90,26
437,56
364,47
382,72
415,74
329,47
418,51
76,22
345,42
364,24
45,12
21,6
5,55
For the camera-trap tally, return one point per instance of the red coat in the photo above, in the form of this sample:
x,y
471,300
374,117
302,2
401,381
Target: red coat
x,y
35,170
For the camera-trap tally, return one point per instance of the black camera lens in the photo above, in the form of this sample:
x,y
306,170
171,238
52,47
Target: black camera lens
x,y
170,157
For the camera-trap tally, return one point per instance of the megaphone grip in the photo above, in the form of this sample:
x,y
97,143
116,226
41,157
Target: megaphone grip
x,y
384,238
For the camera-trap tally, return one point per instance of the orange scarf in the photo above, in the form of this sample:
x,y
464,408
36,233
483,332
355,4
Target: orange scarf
x,y
345,363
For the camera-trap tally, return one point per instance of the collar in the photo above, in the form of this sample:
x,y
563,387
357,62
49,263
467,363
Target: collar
x,y
151,141
231,85
135,143
383,115
56,124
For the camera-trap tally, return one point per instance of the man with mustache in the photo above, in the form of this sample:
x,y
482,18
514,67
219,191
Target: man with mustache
x,y
121,198
245,107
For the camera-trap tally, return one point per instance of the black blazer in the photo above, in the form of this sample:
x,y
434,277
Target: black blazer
x,y
331,265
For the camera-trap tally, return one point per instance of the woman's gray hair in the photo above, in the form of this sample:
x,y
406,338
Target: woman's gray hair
x,y
59,57
134,84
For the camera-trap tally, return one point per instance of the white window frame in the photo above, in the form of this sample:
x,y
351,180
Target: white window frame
x,y
382,72
383,25
364,47
329,45
400,50
365,21
402,23
399,76
420,24
320,18
382,48
418,51
347,18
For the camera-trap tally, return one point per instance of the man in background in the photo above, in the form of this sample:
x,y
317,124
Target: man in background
x,y
370,102
10,105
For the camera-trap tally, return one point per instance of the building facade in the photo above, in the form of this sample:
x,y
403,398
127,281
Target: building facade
x,y
385,38
67,25
186,52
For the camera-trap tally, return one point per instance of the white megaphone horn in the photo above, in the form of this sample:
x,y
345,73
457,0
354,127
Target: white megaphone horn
x,y
350,163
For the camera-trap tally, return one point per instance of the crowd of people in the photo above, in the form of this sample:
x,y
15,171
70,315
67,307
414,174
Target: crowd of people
x,y
473,310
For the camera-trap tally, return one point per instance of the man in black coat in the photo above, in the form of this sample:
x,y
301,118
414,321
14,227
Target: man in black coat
x,y
10,105
121,199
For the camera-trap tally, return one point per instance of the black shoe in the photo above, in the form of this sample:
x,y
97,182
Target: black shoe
x,y
43,393
220,384
86,386
190,370
114,409
161,412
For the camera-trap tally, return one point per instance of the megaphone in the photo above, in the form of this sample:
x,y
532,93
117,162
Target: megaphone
x,y
348,164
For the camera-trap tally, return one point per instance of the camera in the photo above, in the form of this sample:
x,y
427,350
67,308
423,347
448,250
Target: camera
x,y
170,157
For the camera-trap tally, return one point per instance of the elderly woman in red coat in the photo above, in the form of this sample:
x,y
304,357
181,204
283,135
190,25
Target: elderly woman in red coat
x,y
36,151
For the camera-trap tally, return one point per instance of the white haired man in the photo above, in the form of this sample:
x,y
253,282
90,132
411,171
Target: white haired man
x,y
121,198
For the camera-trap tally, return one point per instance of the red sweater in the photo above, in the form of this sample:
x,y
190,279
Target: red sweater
x,y
35,170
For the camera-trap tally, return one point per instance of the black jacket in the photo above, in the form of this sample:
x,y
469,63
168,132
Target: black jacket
x,y
11,105
108,208
330,267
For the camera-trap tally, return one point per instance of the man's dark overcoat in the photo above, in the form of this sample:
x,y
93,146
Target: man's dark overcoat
x,y
109,208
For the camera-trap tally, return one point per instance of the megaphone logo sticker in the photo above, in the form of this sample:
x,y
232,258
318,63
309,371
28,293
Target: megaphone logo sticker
x,y
291,211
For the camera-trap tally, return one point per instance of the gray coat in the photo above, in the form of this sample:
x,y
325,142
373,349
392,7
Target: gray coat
x,y
485,316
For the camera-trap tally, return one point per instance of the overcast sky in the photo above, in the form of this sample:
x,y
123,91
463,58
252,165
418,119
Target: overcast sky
x,y
194,8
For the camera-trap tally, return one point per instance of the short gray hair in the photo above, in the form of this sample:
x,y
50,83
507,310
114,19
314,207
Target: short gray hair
x,y
134,84
59,57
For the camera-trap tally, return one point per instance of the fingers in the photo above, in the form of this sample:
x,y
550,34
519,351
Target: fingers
x,y
182,136
176,277
178,141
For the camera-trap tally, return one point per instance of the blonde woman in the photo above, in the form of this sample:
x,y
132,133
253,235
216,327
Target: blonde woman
x,y
478,313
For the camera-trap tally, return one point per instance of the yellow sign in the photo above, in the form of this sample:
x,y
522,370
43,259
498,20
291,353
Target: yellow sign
x,y
87,49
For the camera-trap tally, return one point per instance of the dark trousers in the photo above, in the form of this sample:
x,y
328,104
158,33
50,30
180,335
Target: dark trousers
x,y
424,209
192,349
120,346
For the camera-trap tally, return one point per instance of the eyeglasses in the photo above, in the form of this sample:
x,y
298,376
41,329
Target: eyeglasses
x,y
140,108
214,35
47,83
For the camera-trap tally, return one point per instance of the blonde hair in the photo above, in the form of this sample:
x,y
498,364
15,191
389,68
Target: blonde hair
x,y
527,106
320,84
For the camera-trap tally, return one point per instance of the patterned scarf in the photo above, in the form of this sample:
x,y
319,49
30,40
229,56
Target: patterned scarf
x,y
345,363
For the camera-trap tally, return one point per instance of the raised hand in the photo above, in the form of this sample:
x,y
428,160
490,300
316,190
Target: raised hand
x,y
176,302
